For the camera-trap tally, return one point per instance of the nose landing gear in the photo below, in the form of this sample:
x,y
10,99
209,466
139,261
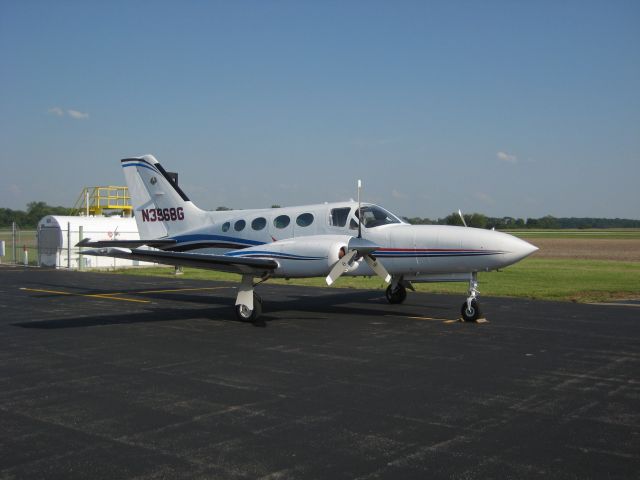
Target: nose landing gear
x,y
470,310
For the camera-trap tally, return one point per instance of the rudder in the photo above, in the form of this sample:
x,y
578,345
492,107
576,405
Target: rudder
x,y
160,206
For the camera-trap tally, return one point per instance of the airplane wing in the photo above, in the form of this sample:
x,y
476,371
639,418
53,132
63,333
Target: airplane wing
x,y
257,266
156,243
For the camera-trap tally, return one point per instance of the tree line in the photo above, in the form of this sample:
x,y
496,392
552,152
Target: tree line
x,y
30,218
478,220
36,210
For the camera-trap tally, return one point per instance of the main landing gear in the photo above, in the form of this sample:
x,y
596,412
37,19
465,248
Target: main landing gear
x,y
396,293
246,314
470,309
248,303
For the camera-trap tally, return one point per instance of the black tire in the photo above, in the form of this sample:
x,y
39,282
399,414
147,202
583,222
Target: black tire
x,y
472,314
245,315
398,295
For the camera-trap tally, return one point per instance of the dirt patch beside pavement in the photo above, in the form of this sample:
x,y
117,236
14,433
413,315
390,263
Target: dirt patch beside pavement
x,y
590,249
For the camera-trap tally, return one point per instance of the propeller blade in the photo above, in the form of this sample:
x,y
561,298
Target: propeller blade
x,y
341,267
377,267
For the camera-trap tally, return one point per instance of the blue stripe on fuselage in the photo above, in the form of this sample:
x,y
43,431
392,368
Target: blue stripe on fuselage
x,y
203,237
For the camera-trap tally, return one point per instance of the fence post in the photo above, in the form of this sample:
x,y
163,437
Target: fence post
x,y
80,248
69,245
13,243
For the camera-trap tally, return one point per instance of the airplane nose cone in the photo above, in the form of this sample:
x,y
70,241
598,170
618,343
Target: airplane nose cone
x,y
519,248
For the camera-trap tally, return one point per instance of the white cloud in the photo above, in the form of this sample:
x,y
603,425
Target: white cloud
x,y
507,157
75,114
78,115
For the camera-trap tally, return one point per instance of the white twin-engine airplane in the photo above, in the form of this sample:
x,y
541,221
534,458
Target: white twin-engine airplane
x,y
327,240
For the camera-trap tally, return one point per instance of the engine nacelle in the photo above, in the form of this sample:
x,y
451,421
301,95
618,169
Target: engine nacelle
x,y
302,256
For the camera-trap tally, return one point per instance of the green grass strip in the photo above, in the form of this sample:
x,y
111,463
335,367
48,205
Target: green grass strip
x,y
541,279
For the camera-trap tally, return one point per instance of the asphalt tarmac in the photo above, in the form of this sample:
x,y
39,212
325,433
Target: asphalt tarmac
x,y
107,376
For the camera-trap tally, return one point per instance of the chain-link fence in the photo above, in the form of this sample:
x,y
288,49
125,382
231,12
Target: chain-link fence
x,y
55,246
19,246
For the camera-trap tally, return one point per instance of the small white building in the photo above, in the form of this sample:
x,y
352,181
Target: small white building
x,y
58,236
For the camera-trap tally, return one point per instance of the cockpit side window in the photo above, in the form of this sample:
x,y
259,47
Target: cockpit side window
x,y
339,216
374,216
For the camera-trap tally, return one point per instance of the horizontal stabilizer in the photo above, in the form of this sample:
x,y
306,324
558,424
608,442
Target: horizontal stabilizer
x,y
157,243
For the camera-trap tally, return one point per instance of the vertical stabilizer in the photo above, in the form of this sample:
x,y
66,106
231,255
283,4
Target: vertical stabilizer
x,y
160,207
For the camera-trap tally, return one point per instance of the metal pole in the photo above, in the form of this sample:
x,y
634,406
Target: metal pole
x,y
69,245
13,243
80,249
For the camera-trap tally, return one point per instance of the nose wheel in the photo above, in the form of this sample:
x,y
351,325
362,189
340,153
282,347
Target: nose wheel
x,y
470,313
470,310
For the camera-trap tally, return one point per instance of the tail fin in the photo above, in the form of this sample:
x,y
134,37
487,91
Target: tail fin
x,y
160,207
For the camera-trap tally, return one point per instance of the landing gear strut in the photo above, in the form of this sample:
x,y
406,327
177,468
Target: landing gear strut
x,y
470,310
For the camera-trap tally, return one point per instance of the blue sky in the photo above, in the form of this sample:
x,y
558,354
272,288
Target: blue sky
x,y
507,108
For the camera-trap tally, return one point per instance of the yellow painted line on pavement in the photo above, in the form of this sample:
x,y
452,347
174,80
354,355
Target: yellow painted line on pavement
x,y
182,290
430,319
115,295
109,296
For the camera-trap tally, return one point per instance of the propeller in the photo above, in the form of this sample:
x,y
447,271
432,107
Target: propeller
x,y
462,217
358,248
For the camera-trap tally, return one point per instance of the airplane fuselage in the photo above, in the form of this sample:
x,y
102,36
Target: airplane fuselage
x,y
416,252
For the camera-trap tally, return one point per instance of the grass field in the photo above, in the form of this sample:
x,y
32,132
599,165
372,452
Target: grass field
x,y
572,265
542,279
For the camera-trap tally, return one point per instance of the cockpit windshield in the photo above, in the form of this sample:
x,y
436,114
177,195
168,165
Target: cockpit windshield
x,y
374,216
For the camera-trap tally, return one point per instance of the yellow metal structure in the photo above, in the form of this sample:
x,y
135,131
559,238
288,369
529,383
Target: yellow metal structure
x,y
103,201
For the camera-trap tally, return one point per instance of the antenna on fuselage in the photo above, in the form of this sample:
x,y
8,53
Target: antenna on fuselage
x,y
462,217
359,210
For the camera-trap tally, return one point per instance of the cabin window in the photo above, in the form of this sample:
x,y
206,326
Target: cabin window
x,y
259,223
239,225
339,216
374,216
281,221
225,226
304,220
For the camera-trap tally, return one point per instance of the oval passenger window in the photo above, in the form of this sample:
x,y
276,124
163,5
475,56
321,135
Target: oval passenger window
x,y
281,221
259,223
304,220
